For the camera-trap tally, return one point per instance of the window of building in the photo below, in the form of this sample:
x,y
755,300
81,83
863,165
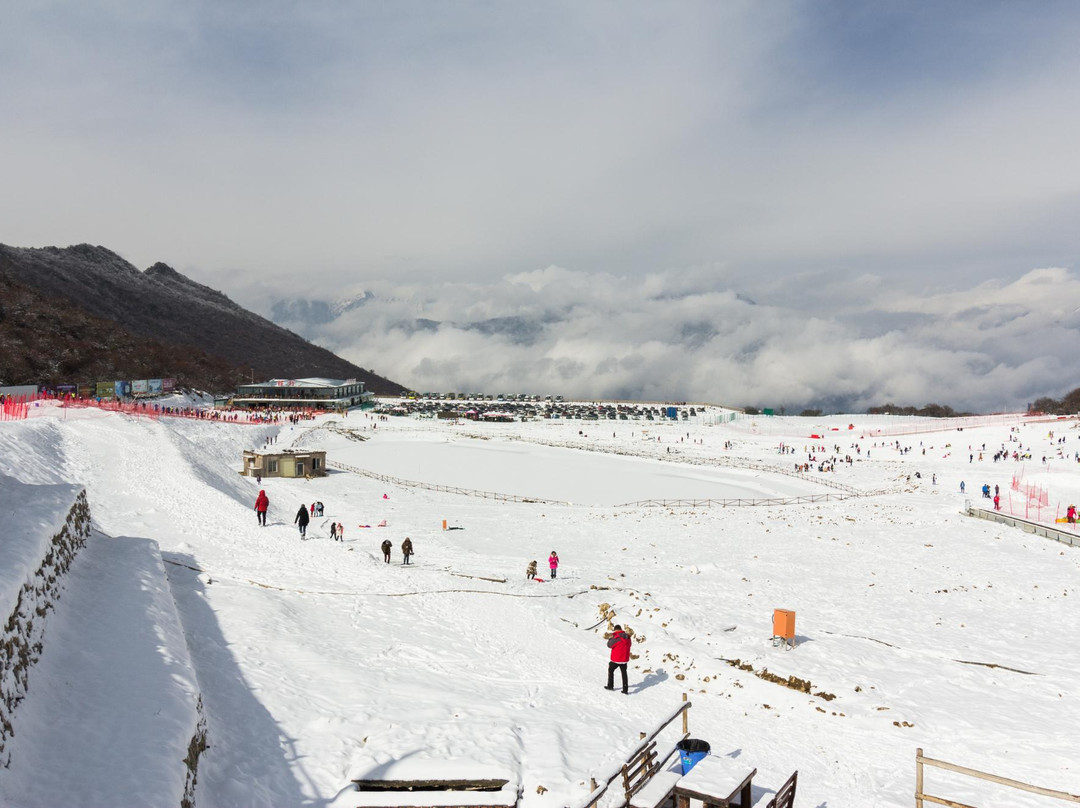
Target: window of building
x,y
299,469
314,464
271,467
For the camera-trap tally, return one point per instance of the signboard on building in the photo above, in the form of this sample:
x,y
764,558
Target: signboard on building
x,y
85,390
122,389
139,386
154,386
168,385
105,390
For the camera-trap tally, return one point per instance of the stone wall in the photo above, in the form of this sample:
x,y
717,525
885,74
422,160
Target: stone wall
x,y
24,629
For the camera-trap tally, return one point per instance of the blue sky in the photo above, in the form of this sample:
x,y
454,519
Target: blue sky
x,y
788,151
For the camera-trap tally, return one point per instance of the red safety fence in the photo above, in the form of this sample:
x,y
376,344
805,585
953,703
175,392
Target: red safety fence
x,y
1031,501
17,408
14,408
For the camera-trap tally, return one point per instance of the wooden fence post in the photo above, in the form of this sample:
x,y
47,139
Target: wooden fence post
x,y
685,718
918,778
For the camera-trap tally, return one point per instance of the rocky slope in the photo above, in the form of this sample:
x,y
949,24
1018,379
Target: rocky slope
x,y
165,306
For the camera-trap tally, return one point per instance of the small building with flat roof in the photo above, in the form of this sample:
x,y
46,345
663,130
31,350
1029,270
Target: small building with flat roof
x,y
285,463
313,393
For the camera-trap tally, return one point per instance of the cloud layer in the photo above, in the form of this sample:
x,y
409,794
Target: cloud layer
x,y
677,336
470,140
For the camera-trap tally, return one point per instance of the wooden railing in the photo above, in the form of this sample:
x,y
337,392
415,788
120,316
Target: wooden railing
x,y
608,776
723,461
448,489
921,796
733,503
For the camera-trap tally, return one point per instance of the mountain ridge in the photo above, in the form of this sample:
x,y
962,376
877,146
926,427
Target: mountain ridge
x,y
164,305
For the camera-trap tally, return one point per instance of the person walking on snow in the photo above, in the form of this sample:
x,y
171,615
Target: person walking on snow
x,y
553,564
406,548
262,505
333,531
302,520
387,546
341,532
619,643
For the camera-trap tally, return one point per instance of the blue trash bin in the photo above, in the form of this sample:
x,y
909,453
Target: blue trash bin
x,y
691,751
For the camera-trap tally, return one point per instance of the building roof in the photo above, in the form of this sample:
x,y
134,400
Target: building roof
x,y
310,382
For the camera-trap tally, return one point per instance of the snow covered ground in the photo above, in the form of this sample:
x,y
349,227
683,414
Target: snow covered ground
x,y
317,663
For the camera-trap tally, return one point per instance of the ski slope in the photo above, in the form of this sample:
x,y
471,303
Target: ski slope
x,y
317,663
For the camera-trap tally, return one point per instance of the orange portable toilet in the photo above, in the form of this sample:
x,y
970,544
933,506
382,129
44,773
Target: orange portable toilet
x,y
444,524
783,626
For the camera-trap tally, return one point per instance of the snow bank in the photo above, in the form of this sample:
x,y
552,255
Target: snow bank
x,y
113,714
43,533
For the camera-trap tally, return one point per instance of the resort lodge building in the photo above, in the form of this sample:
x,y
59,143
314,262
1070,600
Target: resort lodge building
x,y
292,394
285,463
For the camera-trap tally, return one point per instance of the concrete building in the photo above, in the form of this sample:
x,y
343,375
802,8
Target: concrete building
x,y
294,394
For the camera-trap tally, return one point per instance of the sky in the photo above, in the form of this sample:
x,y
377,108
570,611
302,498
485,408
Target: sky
x,y
810,157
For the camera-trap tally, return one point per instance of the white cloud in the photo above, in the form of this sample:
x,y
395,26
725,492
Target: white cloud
x,y
666,337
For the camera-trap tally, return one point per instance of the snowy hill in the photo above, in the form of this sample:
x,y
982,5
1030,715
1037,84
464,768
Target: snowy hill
x,y
317,663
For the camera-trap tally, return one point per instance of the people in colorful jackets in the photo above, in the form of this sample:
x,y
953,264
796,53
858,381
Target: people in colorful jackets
x,y
553,564
619,643
262,505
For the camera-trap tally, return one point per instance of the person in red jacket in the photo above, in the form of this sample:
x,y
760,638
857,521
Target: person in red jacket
x,y
262,505
619,643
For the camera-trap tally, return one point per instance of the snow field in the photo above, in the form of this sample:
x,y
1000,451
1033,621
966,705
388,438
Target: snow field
x,y
319,663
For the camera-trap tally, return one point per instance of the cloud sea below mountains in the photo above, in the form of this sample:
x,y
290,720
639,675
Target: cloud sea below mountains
x,y
840,343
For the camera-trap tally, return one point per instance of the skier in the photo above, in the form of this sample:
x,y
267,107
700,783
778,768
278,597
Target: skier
x,y
333,531
262,505
406,549
302,520
553,564
619,643
387,546
961,486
